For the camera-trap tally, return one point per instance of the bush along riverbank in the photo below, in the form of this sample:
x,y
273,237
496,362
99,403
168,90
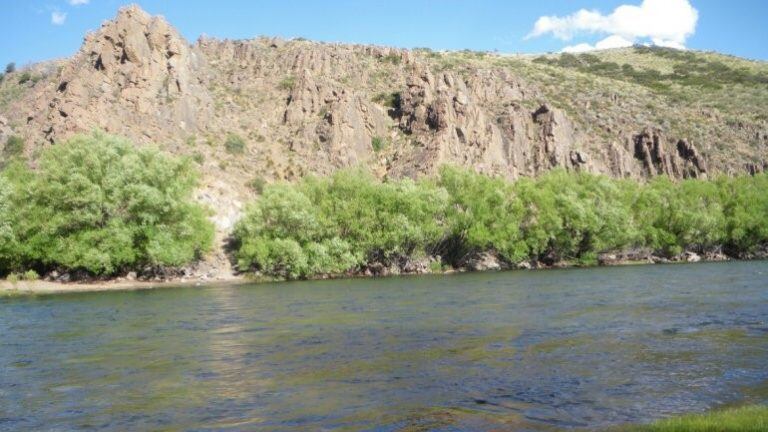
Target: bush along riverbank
x,y
98,207
352,224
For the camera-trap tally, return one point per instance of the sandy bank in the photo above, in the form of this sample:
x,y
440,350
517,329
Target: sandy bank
x,y
45,287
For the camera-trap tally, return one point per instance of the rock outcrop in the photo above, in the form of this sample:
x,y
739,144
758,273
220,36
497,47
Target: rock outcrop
x,y
455,125
135,72
305,107
683,161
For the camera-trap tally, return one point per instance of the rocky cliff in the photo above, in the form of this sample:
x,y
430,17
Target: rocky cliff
x,y
265,109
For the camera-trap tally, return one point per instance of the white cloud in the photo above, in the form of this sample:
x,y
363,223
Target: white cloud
x,y
58,18
614,41
668,44
665,22
579,48
78,2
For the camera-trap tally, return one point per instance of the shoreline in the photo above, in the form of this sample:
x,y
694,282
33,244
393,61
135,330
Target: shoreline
x,y
42,287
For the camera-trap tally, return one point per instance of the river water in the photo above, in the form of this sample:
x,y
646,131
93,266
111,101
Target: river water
x,y
521,350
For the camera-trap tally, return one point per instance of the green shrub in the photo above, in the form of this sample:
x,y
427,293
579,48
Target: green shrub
x,y
199,158
10,68
257,184
378,143
389,100
24,77
8,244
435,267
13,278
332,225
483,214
287,83
689,69
30,275
745,206
575,216
234,144
14,147
393,58
565,216
688,214
100,204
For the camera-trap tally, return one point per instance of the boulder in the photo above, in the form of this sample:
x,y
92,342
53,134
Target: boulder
x,y
691,257
482,261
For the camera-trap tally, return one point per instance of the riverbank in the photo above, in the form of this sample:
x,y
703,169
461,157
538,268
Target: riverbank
x,y
42,287
741,419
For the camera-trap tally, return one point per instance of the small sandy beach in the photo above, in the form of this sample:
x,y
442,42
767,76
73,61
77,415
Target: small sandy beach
x,y
46,287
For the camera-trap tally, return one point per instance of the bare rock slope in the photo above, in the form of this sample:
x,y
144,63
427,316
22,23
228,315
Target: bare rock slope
x,y
262,110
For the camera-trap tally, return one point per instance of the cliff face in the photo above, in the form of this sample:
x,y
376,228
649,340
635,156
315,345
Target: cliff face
x,y
302,107
135,76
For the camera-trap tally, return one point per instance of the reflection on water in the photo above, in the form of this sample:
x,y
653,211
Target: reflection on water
x,y
541,350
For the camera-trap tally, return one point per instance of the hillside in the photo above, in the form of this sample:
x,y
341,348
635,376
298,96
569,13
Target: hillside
x,y
256,111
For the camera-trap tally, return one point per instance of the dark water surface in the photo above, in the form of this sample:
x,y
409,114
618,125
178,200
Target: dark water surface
x,y
543,350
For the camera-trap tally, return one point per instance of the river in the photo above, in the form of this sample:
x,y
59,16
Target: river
x,y
519,350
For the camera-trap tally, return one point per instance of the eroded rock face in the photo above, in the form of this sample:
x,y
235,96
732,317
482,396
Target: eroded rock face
x,y
305,107
651,148
456,123
345,122
134,76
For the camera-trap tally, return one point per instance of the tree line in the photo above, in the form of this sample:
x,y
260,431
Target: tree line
x,y
349,220
99,205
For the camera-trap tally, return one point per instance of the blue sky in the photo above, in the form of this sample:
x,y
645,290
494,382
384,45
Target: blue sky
x,y
34,30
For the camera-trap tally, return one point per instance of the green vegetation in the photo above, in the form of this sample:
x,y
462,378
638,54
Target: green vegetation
x,y
100,205
334,225
29,275
389,100
287,83
198,157
744,419
689,69
234,144
10,68
626,89
378,143
393,58
257,184
7,236
24,77
14,147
